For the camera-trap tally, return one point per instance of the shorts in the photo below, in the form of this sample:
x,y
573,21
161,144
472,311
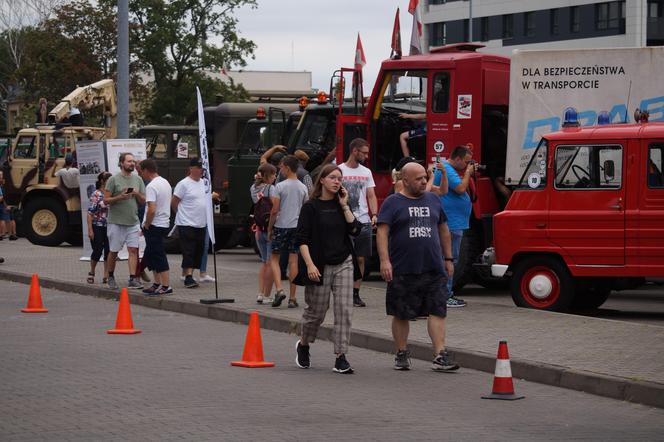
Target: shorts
x,y
155,253
283,240
413,295
4,213
192,242
119,235
362,243
417,132
264,246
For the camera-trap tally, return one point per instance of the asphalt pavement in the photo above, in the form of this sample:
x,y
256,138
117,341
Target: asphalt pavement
x,y
64,378
615,358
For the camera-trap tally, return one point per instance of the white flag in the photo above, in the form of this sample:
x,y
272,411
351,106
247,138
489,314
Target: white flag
x,y
416,32
205,159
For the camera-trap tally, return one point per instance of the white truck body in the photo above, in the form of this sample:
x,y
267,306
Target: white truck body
x,y
543,83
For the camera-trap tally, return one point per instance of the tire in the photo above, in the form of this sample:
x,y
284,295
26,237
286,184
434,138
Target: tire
x,y
542,283
590,295
46,221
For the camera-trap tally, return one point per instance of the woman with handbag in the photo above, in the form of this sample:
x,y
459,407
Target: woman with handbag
x,y
327,265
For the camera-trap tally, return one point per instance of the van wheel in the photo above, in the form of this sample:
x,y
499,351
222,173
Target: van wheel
x,y
46,222
543,283
591,295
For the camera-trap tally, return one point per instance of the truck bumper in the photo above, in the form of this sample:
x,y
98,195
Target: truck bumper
x,y
498,270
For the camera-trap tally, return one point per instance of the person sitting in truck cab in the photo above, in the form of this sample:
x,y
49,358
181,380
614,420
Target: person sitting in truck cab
x,y
655,177
69,174
419,131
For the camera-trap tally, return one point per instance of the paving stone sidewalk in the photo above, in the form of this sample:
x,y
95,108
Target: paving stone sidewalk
x,y
592,346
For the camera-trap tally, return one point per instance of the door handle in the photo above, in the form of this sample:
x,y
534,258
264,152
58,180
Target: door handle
x,y
540,225
616,206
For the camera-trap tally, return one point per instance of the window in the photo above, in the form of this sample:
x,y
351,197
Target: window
x,y
441,93
25,147
529,24
158,147
555,21
655,171
608,15
485,28
438,34
56,146
317,131
466,30
187,145
534,176
574,19
588,167
508,26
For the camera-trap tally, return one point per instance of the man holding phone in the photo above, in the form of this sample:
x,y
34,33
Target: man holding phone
x,y
123,192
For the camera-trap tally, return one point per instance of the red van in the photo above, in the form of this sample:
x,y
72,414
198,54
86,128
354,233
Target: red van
x,y
587,217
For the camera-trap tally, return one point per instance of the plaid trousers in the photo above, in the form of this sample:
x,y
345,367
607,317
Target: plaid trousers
x,y
337,280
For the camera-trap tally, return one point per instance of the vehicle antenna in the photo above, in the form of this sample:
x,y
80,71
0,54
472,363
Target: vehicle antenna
x,y
629,91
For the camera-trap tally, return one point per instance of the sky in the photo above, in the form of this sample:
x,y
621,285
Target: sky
x,y
320,35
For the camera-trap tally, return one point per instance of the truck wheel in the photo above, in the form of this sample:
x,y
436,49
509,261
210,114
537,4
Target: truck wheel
x,y
543,283
591,295
45,221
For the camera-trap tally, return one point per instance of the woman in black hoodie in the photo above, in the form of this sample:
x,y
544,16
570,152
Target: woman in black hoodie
x,y
327,265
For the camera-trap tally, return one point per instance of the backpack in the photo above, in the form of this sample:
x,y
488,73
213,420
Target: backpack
x,y
262,211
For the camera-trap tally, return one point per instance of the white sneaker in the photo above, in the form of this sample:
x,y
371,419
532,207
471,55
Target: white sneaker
x,y
182,278
259,299
206,278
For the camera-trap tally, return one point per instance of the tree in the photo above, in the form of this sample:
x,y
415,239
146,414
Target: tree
x,y
174,39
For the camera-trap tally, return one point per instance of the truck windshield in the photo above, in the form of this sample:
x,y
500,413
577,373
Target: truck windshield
x,y
405,91
534,177
317,131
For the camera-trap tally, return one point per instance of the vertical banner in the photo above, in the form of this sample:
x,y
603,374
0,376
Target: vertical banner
x,y
207,177
114,148
91,162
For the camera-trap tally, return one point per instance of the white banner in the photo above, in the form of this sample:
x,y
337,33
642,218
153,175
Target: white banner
x,y
207,176
91,162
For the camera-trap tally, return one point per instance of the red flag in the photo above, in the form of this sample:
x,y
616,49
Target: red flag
x,y
396,38
416,32
360,60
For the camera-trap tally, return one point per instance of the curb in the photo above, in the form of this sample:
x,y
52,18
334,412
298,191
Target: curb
x,y
631,390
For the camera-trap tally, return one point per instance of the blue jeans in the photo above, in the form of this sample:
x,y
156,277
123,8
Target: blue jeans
x,y
204,258
457,235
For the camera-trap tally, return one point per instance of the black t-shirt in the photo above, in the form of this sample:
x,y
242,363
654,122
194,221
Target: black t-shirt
x,y
333,226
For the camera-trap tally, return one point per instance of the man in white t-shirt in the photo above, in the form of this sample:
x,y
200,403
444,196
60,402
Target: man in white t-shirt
x,y
359,183
69,174
190,202
155,227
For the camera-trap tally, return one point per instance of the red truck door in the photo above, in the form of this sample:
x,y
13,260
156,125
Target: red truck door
x,y
650,224
587,203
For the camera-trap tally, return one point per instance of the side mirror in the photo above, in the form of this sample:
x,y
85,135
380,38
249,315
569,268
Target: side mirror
x,y
609,170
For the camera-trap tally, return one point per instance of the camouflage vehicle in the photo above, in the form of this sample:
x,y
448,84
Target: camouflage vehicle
x,y
49,211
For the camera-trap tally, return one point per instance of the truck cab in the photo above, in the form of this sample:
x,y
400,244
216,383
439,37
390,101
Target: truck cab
x,y
586,217
50,210
464,95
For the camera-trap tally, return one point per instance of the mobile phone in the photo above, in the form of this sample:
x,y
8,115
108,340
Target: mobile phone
x,y
129,190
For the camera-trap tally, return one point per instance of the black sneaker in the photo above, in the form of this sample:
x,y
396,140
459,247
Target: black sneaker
x,y
442,362
292,303
357,301
13,237
150,290
190,282
302,355
454,302
278,298
402,360
342,366
163,291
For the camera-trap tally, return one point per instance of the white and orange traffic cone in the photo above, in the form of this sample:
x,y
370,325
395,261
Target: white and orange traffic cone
x,y
503,388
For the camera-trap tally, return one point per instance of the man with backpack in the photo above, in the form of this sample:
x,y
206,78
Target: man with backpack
x,y
261,192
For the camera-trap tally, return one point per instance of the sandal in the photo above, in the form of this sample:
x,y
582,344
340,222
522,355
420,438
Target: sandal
x,y
91,278
104,280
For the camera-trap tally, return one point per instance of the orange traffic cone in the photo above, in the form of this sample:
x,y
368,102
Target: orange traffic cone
x,y
253,346
123,324
503,388
35,304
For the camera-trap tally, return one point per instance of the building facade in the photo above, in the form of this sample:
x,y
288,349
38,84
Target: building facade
x,y
504,25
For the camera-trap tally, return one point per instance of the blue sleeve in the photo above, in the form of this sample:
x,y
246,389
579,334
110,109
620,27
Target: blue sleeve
x,y
437,177
453,178
386,211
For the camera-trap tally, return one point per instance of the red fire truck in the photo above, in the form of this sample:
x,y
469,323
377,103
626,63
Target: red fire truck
x,y
586,218
464,94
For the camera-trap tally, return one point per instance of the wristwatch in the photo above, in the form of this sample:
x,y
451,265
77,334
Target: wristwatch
x,y
449,259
